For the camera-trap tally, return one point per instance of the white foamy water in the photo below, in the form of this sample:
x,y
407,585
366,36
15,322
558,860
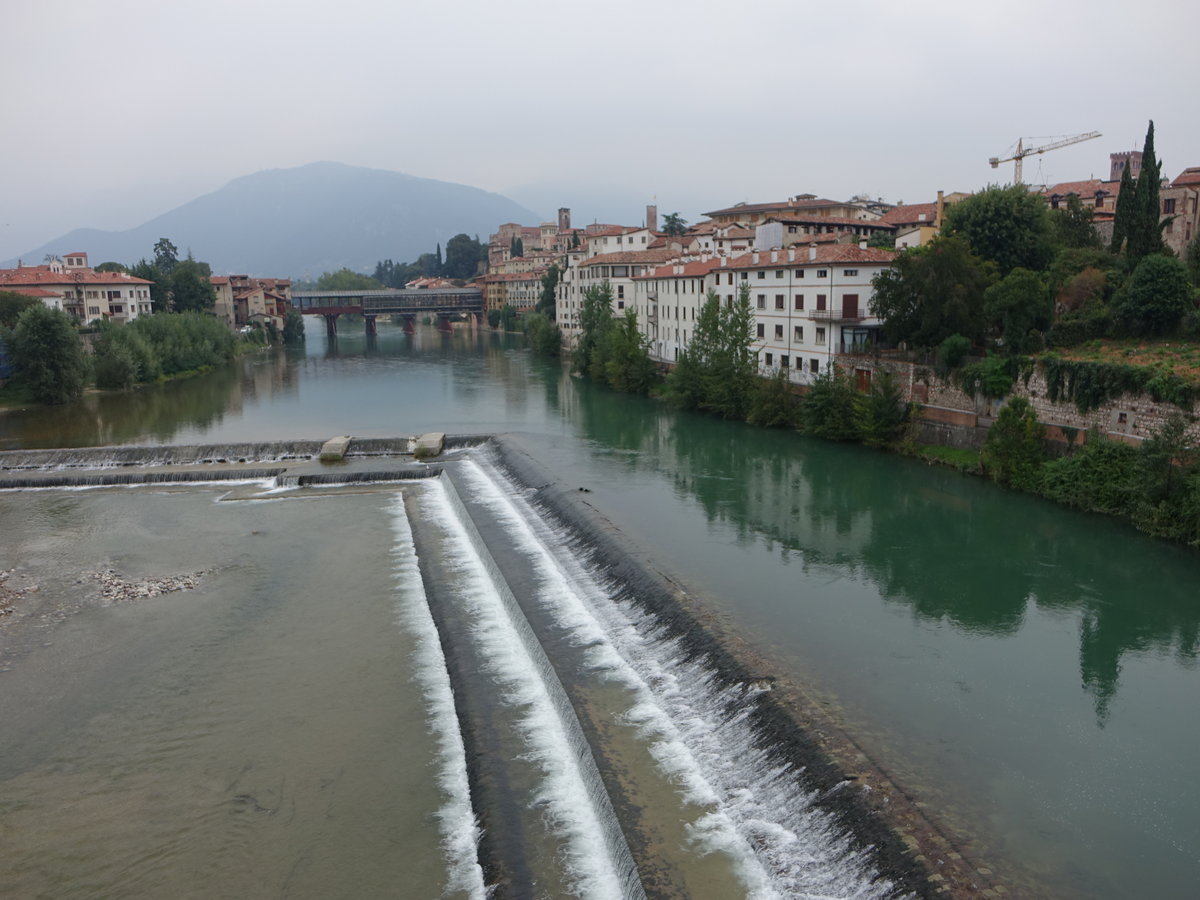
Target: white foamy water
x,y
756,812
566,794
456,819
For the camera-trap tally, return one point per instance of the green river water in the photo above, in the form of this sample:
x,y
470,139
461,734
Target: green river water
x,y
1028,673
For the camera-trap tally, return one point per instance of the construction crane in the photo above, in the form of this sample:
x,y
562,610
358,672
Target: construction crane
x,y
1023,151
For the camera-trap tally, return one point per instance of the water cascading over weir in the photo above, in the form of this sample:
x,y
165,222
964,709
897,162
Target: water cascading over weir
x,y
612,742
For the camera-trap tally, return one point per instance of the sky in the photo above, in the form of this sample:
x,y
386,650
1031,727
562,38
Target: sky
x,y
117,111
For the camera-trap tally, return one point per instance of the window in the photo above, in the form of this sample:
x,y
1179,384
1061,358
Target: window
x,y
762,274
114,295
93,295
850,273
814,366
820,301
779,332
620,304
783,361
768,358
762,301
745,275
822,273
118,309
820,335
621,291
762,330
779,301
93,310
1168,206
798,334
799,273
799,301
729,299
791,229
779,273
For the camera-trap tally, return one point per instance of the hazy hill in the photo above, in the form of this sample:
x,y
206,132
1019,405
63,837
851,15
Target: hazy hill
x,y
305,221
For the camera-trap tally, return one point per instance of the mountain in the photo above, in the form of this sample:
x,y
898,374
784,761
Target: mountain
x,y
304,221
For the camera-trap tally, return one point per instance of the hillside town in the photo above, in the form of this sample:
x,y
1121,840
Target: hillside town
x,y
809,263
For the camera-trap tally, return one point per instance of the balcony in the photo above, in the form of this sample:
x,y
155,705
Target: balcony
x,y
854,314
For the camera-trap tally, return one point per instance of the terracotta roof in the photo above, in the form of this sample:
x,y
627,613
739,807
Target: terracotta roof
x,y
827,254
1085,188
777,205
35,275
31,291
218,279
909,214
696,268
828,220
734,233
1188,177
628,257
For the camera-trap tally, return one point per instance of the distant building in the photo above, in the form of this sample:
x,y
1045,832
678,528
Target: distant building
x,y
242,300
80,291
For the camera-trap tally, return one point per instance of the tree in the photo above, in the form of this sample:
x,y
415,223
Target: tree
x,y
1012,452
718,370
463,255
882,411
1020,305
1007,225
932,292
516,248
160,286
191,291
1158,295
774,404
595,318
882,240
1192,259
829,409
1124,212
1073,225
12,305
48,355
546,302
346,280
438,259
293,327
545,338
674,224
1145,229
166,255
111,267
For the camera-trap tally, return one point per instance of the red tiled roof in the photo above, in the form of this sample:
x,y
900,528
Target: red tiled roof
x,y
777,205
1188,177
909,214
35,275
31,291
1085,188
696,268
627,257
828,220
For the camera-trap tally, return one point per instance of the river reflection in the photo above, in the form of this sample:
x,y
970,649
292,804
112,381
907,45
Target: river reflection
x,y
1029,670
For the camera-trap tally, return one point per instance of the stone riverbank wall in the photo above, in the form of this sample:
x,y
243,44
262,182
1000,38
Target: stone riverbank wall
x,y
954,418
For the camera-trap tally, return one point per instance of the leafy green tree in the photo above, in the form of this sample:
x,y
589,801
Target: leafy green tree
x,y
882,412
545,338
1192,260
508,318
346,280
122,357
1020,305
626,354
882,240
166,255
12,305
160,284
1073,225
932,292
516,248
718,371
463,255
293,327
775,404
47,355
1012,452
830,408
191,291
1158,295
595,319
1007,225
546,302
950,353
674,224
493,318
111,267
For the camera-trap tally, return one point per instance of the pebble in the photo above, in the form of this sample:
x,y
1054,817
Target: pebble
x,y
115,589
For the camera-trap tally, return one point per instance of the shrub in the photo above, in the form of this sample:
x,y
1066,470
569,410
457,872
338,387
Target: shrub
x,y
1012,453
882,412
829,409
774,404
951,352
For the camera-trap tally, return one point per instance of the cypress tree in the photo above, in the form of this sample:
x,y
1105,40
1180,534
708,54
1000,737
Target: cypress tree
x,y
1126,202
1145,234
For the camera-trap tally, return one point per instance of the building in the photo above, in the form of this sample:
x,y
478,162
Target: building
x,y
82,292
242,300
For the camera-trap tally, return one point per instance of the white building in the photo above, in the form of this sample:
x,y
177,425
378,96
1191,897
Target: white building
x,y
81,291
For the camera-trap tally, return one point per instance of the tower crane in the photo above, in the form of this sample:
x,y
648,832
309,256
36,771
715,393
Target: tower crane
x,y
1023,151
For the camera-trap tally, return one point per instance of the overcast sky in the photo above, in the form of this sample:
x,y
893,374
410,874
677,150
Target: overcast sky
x,y
119,110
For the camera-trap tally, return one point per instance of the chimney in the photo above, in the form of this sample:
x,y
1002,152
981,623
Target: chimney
x,y
812,252
862,243
724,261
652,217
941,208
754,257
791,254
774,256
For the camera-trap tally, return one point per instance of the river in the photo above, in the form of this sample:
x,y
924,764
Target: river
x,y
1026,673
